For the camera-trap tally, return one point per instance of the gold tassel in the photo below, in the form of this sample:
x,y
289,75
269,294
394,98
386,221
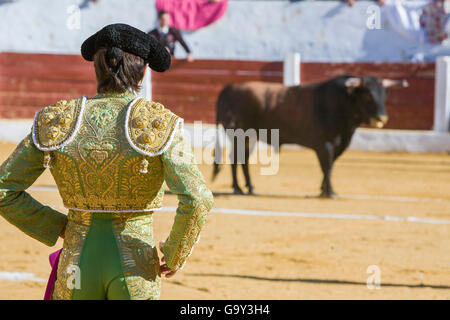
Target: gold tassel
x,y
143,168
47,160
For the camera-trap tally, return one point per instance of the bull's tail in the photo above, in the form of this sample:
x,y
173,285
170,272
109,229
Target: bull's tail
x,y
217,154
218,146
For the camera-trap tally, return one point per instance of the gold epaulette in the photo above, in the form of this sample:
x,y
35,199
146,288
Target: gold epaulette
x,y
55,125
149,127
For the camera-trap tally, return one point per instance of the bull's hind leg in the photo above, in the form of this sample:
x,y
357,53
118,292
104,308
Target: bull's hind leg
x,y
234,162
326,160
248,182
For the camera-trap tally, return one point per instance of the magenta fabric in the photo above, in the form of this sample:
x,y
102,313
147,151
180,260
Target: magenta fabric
x,y
54,261
192,14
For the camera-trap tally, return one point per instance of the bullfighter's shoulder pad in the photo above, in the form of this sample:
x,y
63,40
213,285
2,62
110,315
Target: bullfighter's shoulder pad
x,y
54,126
149,127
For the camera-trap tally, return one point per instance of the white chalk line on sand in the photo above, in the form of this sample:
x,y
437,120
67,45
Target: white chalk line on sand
x,y
316,215
19,276
341,216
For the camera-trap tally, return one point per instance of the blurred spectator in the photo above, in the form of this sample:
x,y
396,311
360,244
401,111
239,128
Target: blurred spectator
x,y
168,36
433,20
402,16
86,3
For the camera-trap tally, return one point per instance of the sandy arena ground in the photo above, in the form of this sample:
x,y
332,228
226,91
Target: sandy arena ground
x,y
285,257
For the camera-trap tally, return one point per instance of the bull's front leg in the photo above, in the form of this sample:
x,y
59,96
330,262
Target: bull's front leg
x,y
236,188
325,154
248,182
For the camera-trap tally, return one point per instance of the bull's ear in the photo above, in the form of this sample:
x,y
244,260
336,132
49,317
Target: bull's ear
x,y
388,83
352,83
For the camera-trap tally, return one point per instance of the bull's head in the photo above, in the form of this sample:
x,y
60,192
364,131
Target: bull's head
x,y
369,95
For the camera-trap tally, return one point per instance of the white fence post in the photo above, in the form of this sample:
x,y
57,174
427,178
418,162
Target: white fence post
x,y
291,69
146,88
442,95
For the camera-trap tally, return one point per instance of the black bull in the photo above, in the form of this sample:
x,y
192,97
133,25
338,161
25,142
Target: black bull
x,y
321,116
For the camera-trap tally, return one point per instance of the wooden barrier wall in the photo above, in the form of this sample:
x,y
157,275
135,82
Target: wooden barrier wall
x,y
191,89
29,82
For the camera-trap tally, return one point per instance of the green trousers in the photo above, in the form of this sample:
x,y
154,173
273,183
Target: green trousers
x,y
102,276
107,256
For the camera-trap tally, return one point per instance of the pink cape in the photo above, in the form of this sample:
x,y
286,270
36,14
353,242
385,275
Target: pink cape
x,y
192,14
54,261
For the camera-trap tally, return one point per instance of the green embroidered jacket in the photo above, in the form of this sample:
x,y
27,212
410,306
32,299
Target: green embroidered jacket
x,y
112,152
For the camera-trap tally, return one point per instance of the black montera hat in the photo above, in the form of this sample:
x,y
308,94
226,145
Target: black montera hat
x,y
131,40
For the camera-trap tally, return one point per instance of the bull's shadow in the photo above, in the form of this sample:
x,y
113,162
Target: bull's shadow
x,y
320,281
262,195
268,195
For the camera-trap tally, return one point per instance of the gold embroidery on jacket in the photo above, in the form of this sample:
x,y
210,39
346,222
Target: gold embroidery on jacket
x,y
184,179
56,123
76,231
99,170
139,255
150,126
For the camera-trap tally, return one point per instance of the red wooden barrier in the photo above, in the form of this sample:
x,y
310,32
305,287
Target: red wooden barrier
x,y
191,89
29,82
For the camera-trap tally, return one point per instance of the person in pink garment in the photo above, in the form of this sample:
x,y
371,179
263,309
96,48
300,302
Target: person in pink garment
x,y
168,35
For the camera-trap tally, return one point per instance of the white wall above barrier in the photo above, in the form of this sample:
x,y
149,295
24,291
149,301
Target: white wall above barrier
x,y
442,95
323,31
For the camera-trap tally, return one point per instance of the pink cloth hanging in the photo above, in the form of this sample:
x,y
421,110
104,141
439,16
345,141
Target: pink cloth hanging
x,y
192,14
54,261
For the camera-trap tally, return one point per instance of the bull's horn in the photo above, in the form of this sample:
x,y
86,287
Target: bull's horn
x,y
353,82
388,83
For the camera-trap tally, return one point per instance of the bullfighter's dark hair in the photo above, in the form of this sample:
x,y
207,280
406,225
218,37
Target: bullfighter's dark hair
x,y
118,71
